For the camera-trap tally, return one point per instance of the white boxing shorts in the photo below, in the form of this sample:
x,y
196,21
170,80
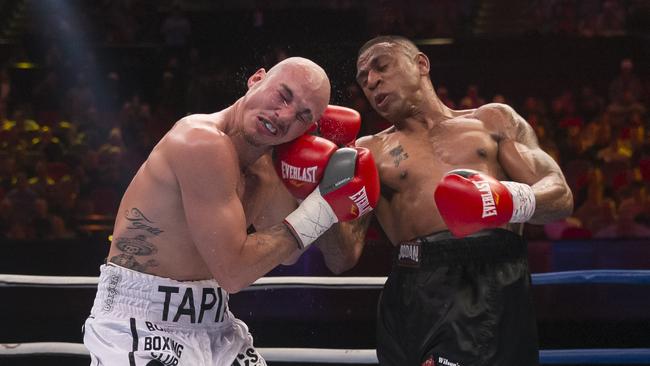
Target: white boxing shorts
x,y
144,320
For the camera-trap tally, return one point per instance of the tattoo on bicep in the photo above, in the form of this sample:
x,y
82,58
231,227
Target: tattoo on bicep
x,y
132,247
139,221
398,155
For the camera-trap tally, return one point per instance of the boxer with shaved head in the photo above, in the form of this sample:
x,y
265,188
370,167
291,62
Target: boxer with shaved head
x,y
206,215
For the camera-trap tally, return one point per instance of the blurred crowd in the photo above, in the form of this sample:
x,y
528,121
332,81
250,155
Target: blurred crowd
x,y
582,18
74,131
180,22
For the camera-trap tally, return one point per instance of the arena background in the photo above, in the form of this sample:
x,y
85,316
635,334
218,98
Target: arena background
x,y
88,87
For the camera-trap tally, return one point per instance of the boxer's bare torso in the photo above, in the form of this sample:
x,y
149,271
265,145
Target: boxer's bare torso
x,y
412,160
151,233
428,140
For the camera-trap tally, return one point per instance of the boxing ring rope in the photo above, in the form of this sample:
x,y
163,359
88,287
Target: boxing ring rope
x,y
605,276
620,356
352,356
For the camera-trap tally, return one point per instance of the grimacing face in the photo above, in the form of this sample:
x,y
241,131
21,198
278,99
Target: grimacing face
x,y
284,104
390,79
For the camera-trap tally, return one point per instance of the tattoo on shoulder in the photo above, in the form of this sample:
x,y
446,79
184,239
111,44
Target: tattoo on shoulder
x,y
139,221
132,247
398,155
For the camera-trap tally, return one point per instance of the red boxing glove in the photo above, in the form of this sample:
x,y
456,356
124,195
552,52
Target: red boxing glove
x,y
349,189
300,163
470,201
361,193
339,125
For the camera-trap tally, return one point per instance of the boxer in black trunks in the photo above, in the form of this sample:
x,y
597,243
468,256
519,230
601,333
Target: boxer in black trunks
x,y
459,293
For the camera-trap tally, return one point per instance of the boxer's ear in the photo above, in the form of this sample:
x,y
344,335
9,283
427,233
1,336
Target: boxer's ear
x,y
422,62
258,76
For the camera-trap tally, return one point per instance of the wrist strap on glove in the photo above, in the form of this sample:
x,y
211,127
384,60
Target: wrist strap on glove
x,y
311,219
523,201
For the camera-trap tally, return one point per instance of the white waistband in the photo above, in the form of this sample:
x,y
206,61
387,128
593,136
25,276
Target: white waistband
x,y
123,293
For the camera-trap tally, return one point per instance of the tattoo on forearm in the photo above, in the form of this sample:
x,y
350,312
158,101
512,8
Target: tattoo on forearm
x,y
275,232
359,231
398,155
132,247
139,221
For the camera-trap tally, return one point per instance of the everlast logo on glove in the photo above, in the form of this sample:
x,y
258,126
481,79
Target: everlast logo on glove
x,y
361,202
297,173
489,207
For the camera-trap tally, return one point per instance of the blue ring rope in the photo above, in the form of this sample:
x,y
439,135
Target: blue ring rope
x,y
602,276
617,356
620,356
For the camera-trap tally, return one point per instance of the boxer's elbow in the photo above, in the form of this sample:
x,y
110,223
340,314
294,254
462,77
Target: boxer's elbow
x,y
563,206
344,262
555,206
567,203
233,286
342,266
231,279
293,258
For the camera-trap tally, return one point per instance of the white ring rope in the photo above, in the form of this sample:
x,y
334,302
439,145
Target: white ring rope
x,y
338,356
12,280
317,355
43,348
614,276
9,280
356,283
622,356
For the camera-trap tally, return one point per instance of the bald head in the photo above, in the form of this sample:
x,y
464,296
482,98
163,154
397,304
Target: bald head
x,y
309,76
300,78
287,99
303,64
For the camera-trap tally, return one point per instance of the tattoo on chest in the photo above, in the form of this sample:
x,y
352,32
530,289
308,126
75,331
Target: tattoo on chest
x,y
139,221
398,155
132,247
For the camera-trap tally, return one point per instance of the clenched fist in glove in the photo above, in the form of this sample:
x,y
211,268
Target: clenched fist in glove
x,y
339,125
470,201
300,163
348,189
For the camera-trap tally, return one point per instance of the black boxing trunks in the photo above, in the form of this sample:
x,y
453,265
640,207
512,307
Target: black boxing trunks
x,y
458,302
